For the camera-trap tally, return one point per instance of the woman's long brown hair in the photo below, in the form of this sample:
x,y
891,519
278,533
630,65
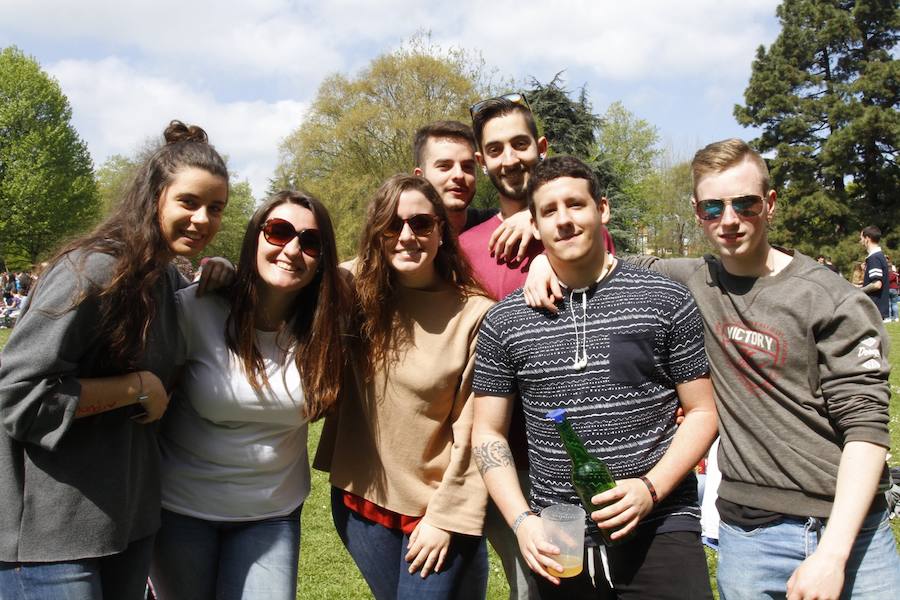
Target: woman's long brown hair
x,y
376,281
315,333
132,236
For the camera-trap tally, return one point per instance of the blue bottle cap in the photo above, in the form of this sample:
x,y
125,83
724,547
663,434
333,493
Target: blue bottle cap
x,y
557,415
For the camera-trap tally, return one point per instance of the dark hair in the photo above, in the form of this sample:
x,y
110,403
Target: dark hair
x,y
314,333
376,281
873,233
500,107
441,130
132,235
558,166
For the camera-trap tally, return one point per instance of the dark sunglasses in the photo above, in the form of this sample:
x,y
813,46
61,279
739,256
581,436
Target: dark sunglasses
x,y
421,225
279,232
516,97
743,206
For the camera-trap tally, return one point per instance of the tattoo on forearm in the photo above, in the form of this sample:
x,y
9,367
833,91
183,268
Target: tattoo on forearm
x,y
492,454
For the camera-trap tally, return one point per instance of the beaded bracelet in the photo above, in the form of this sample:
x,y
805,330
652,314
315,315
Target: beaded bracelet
x,y
524,515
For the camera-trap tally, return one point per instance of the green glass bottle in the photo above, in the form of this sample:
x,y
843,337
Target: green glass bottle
x,y
590,475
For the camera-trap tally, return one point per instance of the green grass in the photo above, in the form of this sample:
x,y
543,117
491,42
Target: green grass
x,y
327,571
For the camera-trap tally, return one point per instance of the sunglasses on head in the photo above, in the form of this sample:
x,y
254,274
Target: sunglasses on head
x,y
743,206
515,97
421,225
279,232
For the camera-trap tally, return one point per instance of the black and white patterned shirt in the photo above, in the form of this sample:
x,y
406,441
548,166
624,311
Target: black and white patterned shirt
x,y
643,335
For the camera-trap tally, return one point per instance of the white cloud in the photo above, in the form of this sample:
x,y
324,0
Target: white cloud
x,y
246,71
306,40
116,108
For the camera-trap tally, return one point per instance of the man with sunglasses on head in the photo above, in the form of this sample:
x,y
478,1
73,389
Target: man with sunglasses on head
x,y
444,154
799,365
508,148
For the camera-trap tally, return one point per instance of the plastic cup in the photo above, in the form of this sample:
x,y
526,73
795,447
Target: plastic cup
x,y
564,528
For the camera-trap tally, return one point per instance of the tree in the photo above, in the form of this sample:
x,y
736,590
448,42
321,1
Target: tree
x,y
47,187
570,125
359,130
669,227
627,146
241,206
825,95
113,177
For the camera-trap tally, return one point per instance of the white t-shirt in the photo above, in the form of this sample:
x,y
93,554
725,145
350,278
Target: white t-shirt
x,y
230,453
709,515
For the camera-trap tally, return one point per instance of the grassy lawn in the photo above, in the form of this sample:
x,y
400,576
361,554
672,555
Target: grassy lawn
x,y
326,570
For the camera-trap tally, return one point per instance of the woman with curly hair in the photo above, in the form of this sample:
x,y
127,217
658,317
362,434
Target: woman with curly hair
x,y
407,500
86,372
262,359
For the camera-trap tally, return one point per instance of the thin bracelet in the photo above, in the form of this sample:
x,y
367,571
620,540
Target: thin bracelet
x,y
652,489
522,516
141,396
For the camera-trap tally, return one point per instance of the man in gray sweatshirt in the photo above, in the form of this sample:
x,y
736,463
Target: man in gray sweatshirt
x,y
798,360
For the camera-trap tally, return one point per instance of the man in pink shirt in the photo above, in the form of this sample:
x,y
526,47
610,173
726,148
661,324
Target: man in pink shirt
x,y
444,154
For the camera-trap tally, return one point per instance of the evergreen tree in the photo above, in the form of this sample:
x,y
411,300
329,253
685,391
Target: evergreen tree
x,y
825,95
47,187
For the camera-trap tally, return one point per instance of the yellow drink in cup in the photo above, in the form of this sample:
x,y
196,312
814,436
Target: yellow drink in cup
x,y
564,528
571,564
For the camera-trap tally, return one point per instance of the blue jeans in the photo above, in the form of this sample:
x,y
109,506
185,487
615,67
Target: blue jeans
x,y
894,297
122,575
243,560
379,554
757,563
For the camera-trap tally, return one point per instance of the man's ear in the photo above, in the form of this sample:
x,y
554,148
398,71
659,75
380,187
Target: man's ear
x,y
542,146
771,199
479,158
418,171
694,210
603,208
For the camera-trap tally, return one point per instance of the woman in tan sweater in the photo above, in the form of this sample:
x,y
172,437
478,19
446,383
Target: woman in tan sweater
x,y
407,499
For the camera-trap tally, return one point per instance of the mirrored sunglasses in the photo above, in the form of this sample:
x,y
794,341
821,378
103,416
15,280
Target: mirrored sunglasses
x,y
744,206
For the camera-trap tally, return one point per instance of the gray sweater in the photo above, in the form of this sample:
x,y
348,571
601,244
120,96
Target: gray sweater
x,y
799,365
73,489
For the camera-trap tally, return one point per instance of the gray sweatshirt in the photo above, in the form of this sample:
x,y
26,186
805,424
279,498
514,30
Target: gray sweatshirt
x,y
799,365
73,489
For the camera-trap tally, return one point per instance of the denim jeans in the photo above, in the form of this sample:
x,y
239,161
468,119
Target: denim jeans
x,y
894,298
118,576
379,554
244,560
757,563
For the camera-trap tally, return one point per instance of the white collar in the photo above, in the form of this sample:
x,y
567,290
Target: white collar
x,y
874,249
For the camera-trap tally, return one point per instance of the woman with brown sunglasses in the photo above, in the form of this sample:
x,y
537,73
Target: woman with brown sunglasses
x,y
407,500
84,374
262,359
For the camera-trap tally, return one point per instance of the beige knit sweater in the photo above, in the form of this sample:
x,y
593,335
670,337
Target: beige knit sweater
x,y
403,440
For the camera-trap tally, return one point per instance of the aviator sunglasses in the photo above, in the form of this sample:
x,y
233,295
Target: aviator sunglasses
x,y
515,97
279,232
743,206
421,225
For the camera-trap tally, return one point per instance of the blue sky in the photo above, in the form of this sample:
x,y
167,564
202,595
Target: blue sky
x,y
247,71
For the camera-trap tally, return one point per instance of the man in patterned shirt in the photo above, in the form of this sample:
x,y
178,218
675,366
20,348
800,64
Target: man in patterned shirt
x,y
624,351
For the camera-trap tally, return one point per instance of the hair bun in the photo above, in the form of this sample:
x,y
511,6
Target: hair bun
x,y
179,132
